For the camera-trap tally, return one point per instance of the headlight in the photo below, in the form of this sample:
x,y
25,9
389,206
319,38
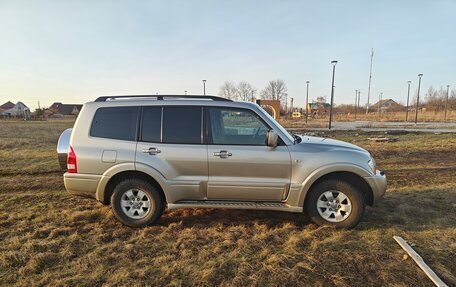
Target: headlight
x,y
372,165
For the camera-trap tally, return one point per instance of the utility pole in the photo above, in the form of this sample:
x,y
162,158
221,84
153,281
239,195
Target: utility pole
x,y
418,98
356,102
446,103
332,94
408,97
307,100
291,99
370,79
204,87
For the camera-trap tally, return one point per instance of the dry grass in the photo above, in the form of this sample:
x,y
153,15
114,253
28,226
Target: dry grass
x,y
51,238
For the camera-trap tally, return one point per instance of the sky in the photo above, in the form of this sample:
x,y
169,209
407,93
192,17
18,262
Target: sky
x,y
74,51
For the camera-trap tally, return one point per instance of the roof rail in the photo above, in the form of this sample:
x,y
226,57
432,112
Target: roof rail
x,y
161,97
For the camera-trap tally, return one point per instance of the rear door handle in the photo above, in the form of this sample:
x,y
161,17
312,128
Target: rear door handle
x,y
222,154
151,151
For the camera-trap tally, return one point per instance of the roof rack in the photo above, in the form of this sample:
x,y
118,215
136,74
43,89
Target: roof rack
x,y
161,97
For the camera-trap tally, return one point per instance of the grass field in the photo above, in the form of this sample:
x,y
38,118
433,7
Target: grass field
x,y
51,238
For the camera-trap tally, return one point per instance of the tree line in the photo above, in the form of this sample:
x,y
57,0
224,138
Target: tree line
x,y
433,100
244,91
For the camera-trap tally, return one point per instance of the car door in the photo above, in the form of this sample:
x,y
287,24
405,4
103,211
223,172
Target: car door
x,y
171,142
241,166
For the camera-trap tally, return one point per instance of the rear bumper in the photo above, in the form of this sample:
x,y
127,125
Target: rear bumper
x,y
81,184
377,183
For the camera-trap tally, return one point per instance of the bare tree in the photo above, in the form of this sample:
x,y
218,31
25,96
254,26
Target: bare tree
x,y
246,91
435,100
452,100
229,90
275,90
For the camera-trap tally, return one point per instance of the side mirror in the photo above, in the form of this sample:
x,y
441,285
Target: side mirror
x,y
272,138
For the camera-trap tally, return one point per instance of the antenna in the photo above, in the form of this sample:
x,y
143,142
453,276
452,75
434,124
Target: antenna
x,y
370,79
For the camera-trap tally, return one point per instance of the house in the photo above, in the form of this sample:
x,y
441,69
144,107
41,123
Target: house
x,y
6,106
58,108
387,105
18,110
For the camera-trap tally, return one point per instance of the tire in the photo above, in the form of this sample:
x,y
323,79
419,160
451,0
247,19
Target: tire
x,y
335,202
136,203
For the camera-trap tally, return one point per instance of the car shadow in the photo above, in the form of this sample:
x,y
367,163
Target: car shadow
x,y
413,210
408,211
206,218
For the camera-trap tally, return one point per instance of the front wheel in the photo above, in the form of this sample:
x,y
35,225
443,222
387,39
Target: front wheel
x,y
336,203
136,203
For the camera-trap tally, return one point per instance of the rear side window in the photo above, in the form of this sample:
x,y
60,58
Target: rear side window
x,y
182,125
151,124
115,123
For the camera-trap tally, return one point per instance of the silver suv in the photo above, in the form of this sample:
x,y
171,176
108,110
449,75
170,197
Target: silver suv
x,y
143,153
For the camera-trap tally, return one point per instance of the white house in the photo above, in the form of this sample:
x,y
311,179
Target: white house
x,y
19,110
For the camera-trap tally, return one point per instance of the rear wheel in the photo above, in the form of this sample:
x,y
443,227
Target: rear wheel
x,y
136,203
336,203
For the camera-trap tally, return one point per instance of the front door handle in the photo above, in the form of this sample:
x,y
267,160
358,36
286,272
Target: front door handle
x,y
151,151
222,154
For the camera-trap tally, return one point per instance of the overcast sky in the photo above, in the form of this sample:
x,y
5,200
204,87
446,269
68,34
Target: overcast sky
x,y
74,51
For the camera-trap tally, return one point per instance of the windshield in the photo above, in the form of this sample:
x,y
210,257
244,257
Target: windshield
x,y
278,126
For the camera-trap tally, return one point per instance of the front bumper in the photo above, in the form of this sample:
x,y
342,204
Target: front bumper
x,y
81,184
377,184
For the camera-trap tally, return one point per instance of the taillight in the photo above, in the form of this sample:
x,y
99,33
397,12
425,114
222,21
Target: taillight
x,y
71,161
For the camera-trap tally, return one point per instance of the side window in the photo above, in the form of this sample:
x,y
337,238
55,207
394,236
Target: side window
x,y
236,127
182,125
115,123
151,124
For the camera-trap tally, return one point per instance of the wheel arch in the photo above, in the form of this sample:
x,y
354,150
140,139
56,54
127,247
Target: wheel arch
x,y
104,195
344,171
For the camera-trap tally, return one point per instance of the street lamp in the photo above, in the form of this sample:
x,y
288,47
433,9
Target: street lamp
x,y
408,97
418,98
307,100
332,94
359,97
204,87
286,105
446,103
356,102
379,104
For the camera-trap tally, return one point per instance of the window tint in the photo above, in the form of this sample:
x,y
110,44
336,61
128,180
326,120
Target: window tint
x,y
182,125
236,126
115,123
151,124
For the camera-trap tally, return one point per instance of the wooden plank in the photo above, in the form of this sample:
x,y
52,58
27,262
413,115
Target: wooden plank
x,y
420,262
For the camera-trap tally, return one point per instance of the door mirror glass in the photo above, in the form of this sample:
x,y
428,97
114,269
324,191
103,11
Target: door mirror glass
x,y
272,138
